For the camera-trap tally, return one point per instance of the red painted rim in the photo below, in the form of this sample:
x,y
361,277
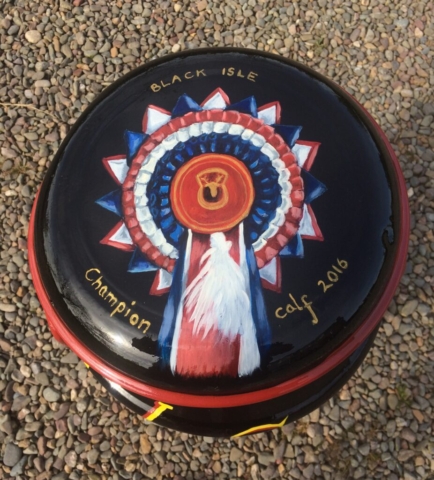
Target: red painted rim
x,y
62,333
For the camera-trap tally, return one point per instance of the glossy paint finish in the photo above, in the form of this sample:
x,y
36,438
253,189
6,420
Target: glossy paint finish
x,y
346,281
238,421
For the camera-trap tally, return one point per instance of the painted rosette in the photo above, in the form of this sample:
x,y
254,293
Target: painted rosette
x,y
218,238
277,163
214,189
276,213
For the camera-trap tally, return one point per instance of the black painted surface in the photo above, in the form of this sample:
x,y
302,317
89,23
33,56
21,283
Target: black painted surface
x,y
353,215
232,421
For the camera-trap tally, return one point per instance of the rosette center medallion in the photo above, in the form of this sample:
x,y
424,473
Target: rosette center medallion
x,y
212,193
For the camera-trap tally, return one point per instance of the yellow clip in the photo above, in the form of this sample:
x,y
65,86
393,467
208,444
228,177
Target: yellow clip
x,y
260,428
157,410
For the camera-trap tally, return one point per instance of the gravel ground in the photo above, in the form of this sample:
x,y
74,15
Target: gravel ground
x,y
56,421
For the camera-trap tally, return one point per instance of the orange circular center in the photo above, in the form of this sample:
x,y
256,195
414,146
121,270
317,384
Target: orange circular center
x,y
212,193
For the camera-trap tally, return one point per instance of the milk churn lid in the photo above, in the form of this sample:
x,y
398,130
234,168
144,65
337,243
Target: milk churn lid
x,y
219,227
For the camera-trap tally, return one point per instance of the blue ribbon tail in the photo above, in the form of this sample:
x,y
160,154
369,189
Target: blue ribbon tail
x,y
167,330
259,313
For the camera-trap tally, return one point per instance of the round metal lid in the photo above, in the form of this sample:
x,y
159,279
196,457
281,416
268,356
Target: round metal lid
x,y
220,227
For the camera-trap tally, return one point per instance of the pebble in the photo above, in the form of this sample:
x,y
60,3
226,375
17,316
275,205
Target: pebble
x,y
151,430
51,395
42,83
408,434
145,444
7,308
105,445
202,5
92,456
71,459
33,36
42,444
5,346
265,458
12,455
70,358
42,379
314,430
66,50
179,25
308,471
235,454
334,413
20,402
6,425
405,455
18,467
126,450
392,401
368,373
409,308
